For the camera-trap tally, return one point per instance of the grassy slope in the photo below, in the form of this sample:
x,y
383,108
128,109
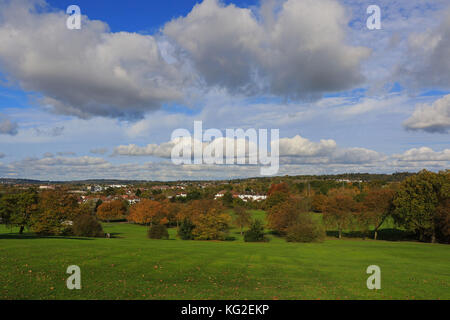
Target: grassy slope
x,y
131,266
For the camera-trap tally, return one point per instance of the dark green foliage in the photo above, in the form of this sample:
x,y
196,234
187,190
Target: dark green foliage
x,y
86,225
158,231
185,230
255,233
227,199
306,229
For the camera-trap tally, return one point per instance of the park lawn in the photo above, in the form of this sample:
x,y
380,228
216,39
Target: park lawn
x,y
130,266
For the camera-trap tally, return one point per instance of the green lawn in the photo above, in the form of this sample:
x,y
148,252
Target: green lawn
x,y
130,266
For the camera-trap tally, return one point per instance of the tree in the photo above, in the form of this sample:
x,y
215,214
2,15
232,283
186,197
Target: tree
x,y
55,212
242,219
305,229
16,209
147,212
158,231
138,193
417,201
377,206
255,232
278,193
87,225
185,230
339,210
227,199
213,225
318,202
283,214
116,209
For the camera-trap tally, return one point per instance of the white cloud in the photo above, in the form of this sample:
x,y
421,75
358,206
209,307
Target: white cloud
x,y
431,118
302,147
84,72
427,64
423,154
283,51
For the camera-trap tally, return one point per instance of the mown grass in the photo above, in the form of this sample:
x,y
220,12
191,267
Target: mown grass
x,y
130,266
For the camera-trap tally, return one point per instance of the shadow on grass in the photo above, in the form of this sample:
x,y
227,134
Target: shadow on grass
x,y
30,236
384,234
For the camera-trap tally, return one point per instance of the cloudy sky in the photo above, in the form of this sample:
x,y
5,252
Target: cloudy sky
x,y
103,101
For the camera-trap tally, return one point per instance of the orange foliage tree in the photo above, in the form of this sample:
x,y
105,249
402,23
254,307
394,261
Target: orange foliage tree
x,y
283,215
148,212
116,209
377,206
340,209
54,212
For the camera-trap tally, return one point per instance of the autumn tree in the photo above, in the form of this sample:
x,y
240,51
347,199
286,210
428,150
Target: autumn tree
x,y
284,214
318,202
242,218
214,225
377,206
339,209
116,209
147,212
278,193
55,212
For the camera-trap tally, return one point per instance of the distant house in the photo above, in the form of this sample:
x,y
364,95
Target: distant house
x,y
246,197
47,187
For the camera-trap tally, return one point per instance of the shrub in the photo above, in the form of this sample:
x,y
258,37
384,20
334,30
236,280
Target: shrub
x,y
305,229
86,225
255,233
158,231
185,230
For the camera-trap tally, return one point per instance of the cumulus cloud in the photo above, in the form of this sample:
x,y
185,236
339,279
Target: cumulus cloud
x,y
423,154
84,72
295,150
302,150
2,155
431,118
278,48
302,147
427,63
8,127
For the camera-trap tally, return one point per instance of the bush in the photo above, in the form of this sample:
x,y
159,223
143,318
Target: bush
x,y
158,231
86,225
185,230
305,229
255,233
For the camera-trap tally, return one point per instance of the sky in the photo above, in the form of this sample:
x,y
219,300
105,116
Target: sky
x,y
103,101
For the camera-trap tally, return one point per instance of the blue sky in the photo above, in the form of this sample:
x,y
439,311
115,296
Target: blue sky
x,y
102,102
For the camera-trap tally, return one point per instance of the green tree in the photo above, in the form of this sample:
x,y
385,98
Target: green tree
x,y
16,209
255,232
417,201
185,229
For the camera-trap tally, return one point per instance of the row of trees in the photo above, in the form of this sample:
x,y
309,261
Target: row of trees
x,y
48,213
419,204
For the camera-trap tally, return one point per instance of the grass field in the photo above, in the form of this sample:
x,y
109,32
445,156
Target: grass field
x,y
130,266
